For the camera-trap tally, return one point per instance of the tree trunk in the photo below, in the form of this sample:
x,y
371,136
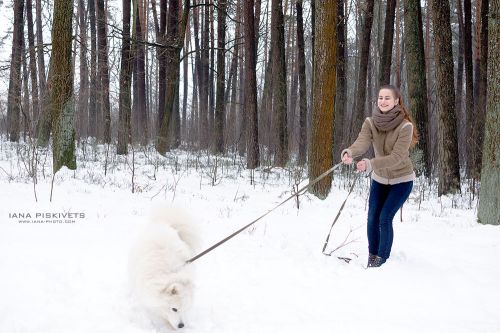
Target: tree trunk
x,y
489,210
483,84
385,62
320,152
125,110
211,89
449,172
32,53
204,77
94,105
279,83
140,113
459,88
480,109
39,50
219,121
302,85
61,90
359,101
250,106
15,83
162,63
83,96
175,41
469,85
416,80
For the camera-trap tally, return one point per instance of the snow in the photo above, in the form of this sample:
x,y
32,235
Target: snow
x,y
71,277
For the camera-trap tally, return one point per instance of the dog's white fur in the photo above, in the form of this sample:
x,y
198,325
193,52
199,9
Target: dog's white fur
x,y
159,275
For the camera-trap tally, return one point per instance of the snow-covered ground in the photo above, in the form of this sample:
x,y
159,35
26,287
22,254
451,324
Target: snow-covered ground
x,y
443,275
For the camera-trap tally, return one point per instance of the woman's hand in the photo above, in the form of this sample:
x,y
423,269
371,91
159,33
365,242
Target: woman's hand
x,y
346,158
361,165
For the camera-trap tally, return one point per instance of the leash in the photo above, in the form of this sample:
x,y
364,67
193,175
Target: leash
x,y
323,175
337,217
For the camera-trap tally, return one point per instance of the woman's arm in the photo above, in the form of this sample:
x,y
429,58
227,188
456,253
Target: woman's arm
x,y
362,143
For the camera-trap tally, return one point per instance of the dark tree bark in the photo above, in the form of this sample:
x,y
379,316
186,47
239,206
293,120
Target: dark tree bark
x,y
185,87
302,84
220,113
489,210
61,89
359,101
385,61
203,80
33,71
162,62
320,151
175,41
251,86
449,171
94,105
83,96
469,84
15,82
125,110
39,50
459,88
103,71
416,80
341,98
279,83
211,89
139,108
480,106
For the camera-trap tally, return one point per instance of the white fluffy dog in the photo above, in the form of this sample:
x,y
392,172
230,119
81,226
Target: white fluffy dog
x,y
159,275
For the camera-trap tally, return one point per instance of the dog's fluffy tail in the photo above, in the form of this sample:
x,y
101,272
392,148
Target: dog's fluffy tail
x,y
179,220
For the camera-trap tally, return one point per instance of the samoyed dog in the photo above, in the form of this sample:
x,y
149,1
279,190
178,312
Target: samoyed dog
x,y
160,279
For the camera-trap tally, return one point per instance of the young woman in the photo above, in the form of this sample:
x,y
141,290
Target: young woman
x,y
392,132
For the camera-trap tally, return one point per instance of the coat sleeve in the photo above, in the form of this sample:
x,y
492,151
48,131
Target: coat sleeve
x,y
398,153
362,143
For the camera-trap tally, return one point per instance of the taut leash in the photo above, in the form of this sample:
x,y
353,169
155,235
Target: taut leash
x,y
338,214
323,175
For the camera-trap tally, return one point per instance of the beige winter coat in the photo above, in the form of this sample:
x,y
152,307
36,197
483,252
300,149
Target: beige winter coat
x,y
392,164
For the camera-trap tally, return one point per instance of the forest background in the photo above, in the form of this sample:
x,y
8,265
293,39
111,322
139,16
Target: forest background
x,y
277,83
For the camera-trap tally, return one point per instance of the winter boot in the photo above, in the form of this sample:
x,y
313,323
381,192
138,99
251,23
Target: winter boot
x,y
371,259
377,262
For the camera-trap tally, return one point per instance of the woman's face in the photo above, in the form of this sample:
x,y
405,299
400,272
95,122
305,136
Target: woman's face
x,y
386,100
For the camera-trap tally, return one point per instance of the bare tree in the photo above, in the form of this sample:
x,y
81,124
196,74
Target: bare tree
x,y
449,170
32,53
359,101
469,84
302,84
174,42
94,105
279,83
61,88
416,80
480,105
489,210
14,97
385,61
124,126
251,86
320,148
219,120
83,96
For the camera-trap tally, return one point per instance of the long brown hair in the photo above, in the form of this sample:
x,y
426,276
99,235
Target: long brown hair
x,y
397,95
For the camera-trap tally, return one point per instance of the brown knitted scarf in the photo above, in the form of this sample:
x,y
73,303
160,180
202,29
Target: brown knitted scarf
x,y
387,121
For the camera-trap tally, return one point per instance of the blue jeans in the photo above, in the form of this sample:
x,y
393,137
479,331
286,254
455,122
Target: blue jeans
x,y
385,200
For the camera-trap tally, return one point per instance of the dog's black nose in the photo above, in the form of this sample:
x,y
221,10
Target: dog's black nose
x,y
181,325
